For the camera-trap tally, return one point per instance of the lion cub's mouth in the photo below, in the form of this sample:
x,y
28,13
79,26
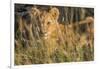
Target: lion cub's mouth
x,y
46,35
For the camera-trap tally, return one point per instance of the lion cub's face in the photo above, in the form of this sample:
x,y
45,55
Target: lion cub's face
x,y
49,22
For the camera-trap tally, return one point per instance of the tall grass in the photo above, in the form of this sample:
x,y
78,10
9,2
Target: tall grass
x,y
75,45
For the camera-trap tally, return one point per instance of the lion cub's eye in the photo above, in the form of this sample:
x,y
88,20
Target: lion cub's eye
x,y
48,23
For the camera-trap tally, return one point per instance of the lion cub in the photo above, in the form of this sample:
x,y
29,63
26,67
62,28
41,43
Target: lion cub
x,y
53,32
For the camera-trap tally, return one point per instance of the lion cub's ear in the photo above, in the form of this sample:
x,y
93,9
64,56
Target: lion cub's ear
x,y
55,13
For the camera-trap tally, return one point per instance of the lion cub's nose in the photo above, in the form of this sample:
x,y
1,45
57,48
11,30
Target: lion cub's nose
x,y
45,34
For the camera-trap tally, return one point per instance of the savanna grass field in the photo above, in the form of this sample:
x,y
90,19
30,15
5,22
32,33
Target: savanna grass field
x,y
45,34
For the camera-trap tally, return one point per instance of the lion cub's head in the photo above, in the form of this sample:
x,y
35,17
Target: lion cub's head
x,y
49,21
